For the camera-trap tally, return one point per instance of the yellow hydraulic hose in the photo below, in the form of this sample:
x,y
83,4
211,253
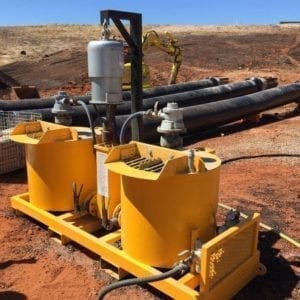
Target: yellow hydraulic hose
x,y
267,227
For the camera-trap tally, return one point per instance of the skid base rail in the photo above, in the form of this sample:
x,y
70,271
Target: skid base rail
x,y
228,262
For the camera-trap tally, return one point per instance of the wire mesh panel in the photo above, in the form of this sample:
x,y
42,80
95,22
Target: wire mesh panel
x,y
12,155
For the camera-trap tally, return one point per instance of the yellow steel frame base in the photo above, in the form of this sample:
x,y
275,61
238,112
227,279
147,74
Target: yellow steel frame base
x,y
79,228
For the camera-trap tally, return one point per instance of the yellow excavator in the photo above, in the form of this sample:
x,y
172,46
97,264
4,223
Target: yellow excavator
x,y
150,39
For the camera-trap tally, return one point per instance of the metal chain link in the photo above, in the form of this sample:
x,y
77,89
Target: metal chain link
x,y
105,34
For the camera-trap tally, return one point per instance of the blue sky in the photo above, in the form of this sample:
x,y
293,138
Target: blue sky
x,y
37,12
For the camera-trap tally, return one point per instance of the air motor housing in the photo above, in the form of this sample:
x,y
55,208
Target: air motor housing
x,y
105,70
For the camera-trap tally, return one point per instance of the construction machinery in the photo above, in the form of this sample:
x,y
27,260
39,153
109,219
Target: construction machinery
x,y
168,45
148,210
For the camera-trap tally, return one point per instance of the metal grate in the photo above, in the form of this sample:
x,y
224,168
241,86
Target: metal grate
x,y
12,155
145,164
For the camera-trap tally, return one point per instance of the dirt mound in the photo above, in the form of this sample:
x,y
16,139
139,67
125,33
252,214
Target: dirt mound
x,y
295,52
54,70
236,52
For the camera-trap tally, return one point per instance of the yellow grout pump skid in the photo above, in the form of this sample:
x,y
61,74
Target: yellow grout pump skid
x,y
143,208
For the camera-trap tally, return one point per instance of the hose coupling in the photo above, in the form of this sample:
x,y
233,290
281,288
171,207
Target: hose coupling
x,y
184,258
183,267
153,113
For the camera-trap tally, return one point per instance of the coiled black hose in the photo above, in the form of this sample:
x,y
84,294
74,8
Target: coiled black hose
x,y
181,268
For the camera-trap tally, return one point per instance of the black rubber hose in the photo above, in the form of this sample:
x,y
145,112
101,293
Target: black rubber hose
x,y
178,88
24,104
78,116
205,95
184,99
181,268
204,116
222,112
229,160
211,115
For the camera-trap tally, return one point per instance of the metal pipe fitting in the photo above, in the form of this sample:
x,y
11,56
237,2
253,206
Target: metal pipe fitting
x,y
171,126
62,109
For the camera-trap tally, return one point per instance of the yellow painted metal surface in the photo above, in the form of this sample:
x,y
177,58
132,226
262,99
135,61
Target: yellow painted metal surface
x,y
56,157
233,274
230,260
126,81
104,247
160,209
165,206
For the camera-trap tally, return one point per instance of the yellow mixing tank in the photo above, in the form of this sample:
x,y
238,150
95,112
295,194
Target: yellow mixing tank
x,y
165,199
57,158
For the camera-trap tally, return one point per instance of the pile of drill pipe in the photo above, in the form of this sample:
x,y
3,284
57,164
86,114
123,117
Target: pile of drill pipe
x,y
184,99
25,104
211,115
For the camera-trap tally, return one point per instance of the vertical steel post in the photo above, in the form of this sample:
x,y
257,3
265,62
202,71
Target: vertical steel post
x,y
136,77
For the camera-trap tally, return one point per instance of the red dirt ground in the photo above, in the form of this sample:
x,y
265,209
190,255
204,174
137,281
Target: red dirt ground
x,y
34,266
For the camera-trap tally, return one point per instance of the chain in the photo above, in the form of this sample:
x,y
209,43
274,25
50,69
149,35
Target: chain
x,y
105,32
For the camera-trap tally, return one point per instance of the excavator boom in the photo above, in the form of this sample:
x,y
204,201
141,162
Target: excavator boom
x,y
169,46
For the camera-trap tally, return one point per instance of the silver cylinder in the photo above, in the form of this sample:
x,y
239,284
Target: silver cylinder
x,y
105,69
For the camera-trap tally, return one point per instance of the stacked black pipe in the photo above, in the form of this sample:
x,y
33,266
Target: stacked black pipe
x,y
211,115
26,104
203,108
188,98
